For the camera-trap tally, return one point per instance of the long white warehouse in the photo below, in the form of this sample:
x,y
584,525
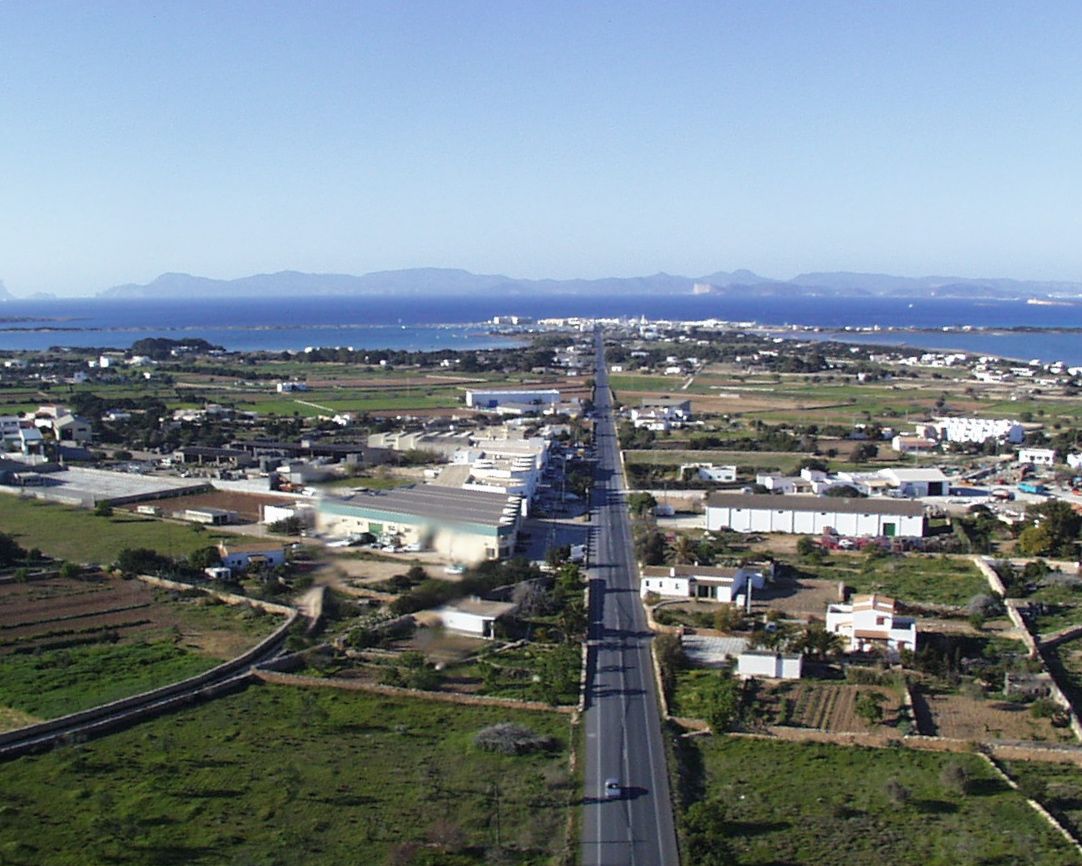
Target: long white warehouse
x,y
813,515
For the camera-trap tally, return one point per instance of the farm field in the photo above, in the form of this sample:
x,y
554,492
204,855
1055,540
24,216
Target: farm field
x,y
293,776
825,706
912,577
804,803
946,714
66,645
78,535
783,461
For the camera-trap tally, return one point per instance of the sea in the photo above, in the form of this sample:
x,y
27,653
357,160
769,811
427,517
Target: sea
x,y
462,322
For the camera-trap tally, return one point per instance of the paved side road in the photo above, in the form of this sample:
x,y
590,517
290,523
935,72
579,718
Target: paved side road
x,y
623,728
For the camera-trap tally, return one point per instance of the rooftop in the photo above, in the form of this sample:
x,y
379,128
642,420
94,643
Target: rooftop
x,y
435,502
689,571
841,505
480,607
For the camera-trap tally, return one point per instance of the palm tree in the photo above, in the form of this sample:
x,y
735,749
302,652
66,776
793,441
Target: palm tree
x,y
820,643
683,550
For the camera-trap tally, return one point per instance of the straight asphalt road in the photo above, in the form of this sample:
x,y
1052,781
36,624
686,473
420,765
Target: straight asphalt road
x,y
623,727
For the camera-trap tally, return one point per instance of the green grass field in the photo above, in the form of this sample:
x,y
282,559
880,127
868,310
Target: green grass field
x,y
913,577
57,682
783,461
795,803
79,535
279,775
361,403
1057,787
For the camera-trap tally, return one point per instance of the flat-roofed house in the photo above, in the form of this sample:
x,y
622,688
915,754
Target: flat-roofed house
x,y
869,622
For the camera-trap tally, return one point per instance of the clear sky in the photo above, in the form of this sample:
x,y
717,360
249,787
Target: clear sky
x,y
537,139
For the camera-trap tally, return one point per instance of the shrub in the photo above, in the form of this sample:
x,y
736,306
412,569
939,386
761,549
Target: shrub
x,y
508,738
954,778
896,792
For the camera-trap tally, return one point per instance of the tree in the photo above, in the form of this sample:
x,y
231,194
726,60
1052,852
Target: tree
x,y
640,502
820,643
868,707
103,509
807,548
10,551
721,702
1056,530
204,557
70,571
650,547
683,550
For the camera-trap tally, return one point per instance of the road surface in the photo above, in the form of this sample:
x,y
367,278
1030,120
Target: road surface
x,y
623,728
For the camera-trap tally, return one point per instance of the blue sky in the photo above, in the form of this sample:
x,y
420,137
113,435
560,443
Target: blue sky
x,y
537,138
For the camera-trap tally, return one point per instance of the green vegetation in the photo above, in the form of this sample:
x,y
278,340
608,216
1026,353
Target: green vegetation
x,y
82,536
280,775
535,672
774,802
912,577
57,682
1057,787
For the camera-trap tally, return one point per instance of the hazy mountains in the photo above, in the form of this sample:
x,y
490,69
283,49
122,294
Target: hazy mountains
x,y
5,295
429,281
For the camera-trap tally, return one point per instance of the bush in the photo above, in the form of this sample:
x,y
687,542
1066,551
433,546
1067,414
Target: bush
x,y
954,778
511,739
896,792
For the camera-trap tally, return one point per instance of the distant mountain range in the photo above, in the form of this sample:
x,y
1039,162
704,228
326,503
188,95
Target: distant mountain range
x,y
5,295
429,281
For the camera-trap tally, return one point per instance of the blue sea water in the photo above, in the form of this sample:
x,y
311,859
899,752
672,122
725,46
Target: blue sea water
x,y
458,322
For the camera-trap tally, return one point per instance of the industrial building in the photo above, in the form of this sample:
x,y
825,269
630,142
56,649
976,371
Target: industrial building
x,y
464,525
814,515
537,399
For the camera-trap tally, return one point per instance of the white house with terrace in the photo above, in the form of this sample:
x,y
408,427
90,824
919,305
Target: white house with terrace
x,y
706,583
869,623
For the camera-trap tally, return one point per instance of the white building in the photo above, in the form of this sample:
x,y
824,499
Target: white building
x,y
524,397
765,664
905,444
474,616
288,387
708,583
973,429
1074,461
814,515
870,623
917,482
1037,456
241,556
717,474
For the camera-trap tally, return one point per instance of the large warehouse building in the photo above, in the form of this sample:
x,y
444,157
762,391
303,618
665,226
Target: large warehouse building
x,y
464,525
814,515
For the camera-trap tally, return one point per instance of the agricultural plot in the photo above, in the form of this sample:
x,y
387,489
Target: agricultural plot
x,y
66,645
947,714
912,577
825,706
803,803
78,535
293,776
